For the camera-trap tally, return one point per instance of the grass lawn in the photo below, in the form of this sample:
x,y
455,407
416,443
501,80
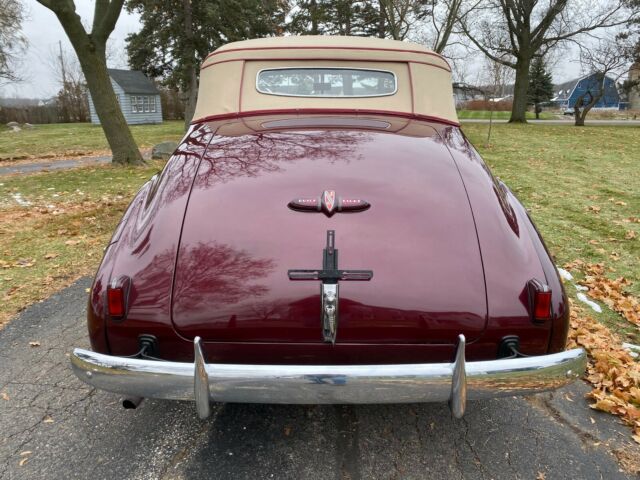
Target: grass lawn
x,y
485,114
582,186
75,139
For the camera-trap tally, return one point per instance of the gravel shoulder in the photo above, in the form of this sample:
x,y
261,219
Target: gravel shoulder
x,y
73,431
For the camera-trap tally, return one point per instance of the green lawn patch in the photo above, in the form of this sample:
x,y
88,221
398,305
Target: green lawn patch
x,y
486,114
74,139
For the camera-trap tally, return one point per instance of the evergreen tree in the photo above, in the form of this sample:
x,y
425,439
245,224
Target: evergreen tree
x,y
335,17
177,35
540,85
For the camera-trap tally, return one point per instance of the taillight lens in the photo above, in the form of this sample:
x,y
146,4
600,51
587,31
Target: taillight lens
x,y
540,301
118,297
542,310
115,302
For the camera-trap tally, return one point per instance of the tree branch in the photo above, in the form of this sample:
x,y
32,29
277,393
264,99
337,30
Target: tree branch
x,y
109,19
484,50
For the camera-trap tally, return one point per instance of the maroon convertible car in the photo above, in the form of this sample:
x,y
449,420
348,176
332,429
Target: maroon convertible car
x,y
325,233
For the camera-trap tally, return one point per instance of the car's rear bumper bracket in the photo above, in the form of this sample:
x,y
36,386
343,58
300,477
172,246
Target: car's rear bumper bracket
x,y
326,384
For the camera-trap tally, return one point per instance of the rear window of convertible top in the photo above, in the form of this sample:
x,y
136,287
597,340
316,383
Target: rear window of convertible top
x,y
326,82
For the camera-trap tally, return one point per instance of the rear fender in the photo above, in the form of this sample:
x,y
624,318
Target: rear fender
x,y
512,254
144,248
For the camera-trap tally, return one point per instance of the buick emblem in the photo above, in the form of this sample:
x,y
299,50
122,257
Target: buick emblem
x,y
329,203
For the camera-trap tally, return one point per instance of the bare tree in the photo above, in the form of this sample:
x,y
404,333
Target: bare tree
x,y
443,20
90,47
12,41
72,94
497,76
604,66
513,32
397,17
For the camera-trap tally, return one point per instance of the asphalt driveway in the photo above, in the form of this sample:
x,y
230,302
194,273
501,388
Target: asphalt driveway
x,y
53,426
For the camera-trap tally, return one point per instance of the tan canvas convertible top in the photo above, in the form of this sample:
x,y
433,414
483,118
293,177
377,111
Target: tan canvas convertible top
x,y
229,85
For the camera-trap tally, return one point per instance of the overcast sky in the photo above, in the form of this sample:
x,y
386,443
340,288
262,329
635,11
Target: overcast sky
x,y
43,32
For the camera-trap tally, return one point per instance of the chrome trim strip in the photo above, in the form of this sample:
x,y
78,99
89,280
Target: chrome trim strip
x,y
330,384
201,392
458,399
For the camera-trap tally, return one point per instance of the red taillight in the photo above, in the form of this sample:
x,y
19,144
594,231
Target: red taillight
x,y
540,301
115,302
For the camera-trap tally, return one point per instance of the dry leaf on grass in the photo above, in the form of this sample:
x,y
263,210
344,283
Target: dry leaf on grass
x,y
611,370
611,292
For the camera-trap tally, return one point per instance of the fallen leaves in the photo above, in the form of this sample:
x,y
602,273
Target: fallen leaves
x,y
611,292
612,371
25,458
594,208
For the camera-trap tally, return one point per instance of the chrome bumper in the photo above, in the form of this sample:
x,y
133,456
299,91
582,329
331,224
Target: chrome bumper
x,y
313,384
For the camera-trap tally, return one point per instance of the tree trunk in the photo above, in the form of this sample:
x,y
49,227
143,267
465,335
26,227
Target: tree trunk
x,y
121,141
192,97
192,74
382,28
519,108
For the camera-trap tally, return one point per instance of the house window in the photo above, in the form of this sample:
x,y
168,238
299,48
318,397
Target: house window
x,y
143,104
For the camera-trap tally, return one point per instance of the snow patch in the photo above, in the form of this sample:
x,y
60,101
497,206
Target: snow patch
x,y
583,298
634,350
19,200
565,275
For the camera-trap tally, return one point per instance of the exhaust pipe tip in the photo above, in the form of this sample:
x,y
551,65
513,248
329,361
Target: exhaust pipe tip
x,y
131,403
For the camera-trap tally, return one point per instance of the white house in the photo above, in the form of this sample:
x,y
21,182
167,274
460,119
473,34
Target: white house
x,y
137,95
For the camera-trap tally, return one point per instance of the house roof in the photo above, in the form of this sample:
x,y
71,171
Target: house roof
x,y
562,91
133,81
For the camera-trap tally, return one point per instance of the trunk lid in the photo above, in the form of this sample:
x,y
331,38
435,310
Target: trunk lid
x,y
239,239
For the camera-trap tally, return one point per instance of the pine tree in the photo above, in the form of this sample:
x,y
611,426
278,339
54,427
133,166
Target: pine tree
x,y
540,85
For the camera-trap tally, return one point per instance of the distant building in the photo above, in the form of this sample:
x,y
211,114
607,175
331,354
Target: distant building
x,y
463,92
21,102
567,93
137,95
